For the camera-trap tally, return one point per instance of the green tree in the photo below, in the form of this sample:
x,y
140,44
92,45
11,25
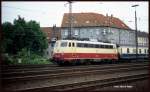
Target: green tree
x,y
22,34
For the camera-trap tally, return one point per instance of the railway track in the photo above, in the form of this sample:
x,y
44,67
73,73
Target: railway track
x,y
63,77
67,70
11,68
24,68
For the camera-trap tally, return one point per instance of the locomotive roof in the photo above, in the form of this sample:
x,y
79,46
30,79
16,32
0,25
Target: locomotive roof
x,y
91,42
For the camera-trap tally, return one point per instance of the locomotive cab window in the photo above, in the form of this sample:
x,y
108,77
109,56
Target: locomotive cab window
x,y
63,44
69,44
73,44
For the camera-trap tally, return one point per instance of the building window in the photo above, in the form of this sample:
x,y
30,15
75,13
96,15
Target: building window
x,y
121,50
140,51
76,32
128,51
87,21
97,31
66,33
134,50
104,32
145,51
75,21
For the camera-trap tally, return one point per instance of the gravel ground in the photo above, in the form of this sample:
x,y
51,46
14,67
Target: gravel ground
x,y
138,86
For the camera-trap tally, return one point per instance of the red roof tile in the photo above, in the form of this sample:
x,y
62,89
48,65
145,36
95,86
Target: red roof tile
x,y
93,19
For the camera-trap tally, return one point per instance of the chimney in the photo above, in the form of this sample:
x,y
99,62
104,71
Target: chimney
x,y
111,15
106,14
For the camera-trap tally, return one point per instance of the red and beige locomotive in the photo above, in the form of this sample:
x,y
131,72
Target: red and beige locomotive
x,y
73,51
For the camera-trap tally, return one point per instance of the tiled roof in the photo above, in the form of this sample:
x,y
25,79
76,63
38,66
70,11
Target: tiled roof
x,y
92,19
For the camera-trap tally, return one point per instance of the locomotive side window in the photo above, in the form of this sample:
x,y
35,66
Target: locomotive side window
x,y
111,46
85,45
96,46
63,44
90,45
79,45
102,46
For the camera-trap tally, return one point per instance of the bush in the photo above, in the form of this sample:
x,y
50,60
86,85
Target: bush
x,y
27,57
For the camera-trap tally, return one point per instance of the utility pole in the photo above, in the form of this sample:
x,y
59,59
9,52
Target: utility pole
x,y
136,40
70,20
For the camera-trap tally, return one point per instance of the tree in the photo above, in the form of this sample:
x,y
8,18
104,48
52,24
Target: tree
x,y
22,34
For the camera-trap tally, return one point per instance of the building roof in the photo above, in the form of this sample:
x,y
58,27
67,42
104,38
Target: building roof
x,y
93,19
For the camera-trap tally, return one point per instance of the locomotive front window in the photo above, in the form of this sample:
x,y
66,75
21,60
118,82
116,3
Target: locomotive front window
x,y
63,44
73,44
69,44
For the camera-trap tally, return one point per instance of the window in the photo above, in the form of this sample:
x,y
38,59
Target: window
x,y
90,45
145,51
76,32
128,51
85,45
79,45
110,46
56,44
140,51
69,44
96,46
102,46
134,50
97,31
65,32
64,44
87,21
73,44
121,50
106,46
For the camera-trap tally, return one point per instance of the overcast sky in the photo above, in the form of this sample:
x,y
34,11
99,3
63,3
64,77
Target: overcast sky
x,y
49,13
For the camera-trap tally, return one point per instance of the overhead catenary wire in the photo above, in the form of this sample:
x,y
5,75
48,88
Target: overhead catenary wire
x,y
27,10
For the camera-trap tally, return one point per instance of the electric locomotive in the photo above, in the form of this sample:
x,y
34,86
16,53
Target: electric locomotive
x,y
73,51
